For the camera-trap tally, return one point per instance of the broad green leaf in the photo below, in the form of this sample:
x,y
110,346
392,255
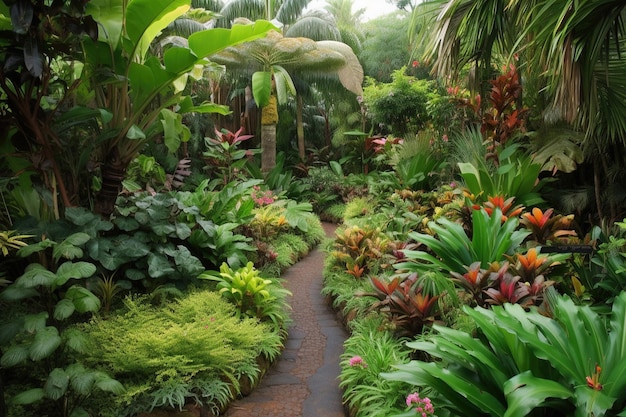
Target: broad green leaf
x,y
56,384
471,176
14,293
525,392
75,340
108,384
211,41
207,107
74,270
35,275
179,60
110,17
83,299
284,84
28,397
262,87
70,248
172,127
64,309
159,266
590,402
45,343
135,133
14,355
145,19
35,322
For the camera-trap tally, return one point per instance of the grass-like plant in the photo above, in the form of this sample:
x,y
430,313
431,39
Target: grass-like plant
x,y
192,349
572,363
370,350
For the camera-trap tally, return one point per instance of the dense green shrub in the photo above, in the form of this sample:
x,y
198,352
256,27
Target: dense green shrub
x,y
401,104
191,349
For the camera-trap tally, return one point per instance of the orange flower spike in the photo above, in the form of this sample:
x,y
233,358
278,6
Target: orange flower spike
x,y
593,381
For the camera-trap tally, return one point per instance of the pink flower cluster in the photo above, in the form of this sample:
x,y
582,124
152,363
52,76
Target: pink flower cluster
x,y
357,361
424,407
262,198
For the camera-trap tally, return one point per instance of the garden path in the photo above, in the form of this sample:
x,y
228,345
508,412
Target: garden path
x,y
304,381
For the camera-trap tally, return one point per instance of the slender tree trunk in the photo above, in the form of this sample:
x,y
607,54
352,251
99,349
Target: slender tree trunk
x,y
113,172
300,127
268,147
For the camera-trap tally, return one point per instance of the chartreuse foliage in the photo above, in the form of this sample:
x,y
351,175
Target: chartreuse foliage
x,y
253,295
195,348
525,363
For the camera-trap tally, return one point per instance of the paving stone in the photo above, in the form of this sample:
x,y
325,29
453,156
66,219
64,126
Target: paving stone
x,y
304,381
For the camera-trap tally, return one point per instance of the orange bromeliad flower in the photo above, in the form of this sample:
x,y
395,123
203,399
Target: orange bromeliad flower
x,y
506,207
538,218
531,261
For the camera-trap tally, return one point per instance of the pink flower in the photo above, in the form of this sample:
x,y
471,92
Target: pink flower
x,y
444,138
357,361
424,406
416,64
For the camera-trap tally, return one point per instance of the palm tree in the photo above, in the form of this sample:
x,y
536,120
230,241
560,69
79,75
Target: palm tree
x,y
272,59
469,32
315,26
574,48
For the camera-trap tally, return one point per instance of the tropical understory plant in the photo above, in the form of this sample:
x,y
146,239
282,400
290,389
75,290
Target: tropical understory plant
x,y
193,349
566,360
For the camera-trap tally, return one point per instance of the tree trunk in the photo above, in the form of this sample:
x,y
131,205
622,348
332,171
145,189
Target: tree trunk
x,y
300,127
113,172
268,147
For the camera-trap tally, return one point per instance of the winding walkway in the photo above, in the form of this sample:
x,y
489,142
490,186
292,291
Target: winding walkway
x,y
304,381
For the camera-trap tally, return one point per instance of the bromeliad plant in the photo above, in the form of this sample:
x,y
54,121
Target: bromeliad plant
x,y
516,176
405,303
572,363
252,295
452,250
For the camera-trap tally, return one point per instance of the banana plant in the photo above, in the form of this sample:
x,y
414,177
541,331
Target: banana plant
x,y
119,94
141,92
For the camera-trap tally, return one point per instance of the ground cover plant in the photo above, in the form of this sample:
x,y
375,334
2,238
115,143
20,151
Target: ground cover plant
x,y
192,349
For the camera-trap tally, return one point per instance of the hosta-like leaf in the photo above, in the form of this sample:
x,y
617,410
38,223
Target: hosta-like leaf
x,y
524,392
35,322
75,340
14,355
14,293
159,266
35,275
108,384
74,270
64,309
56,384
83,299
70,248
28,397
45,343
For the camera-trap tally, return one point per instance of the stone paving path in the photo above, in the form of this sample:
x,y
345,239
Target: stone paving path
x,y
304,381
